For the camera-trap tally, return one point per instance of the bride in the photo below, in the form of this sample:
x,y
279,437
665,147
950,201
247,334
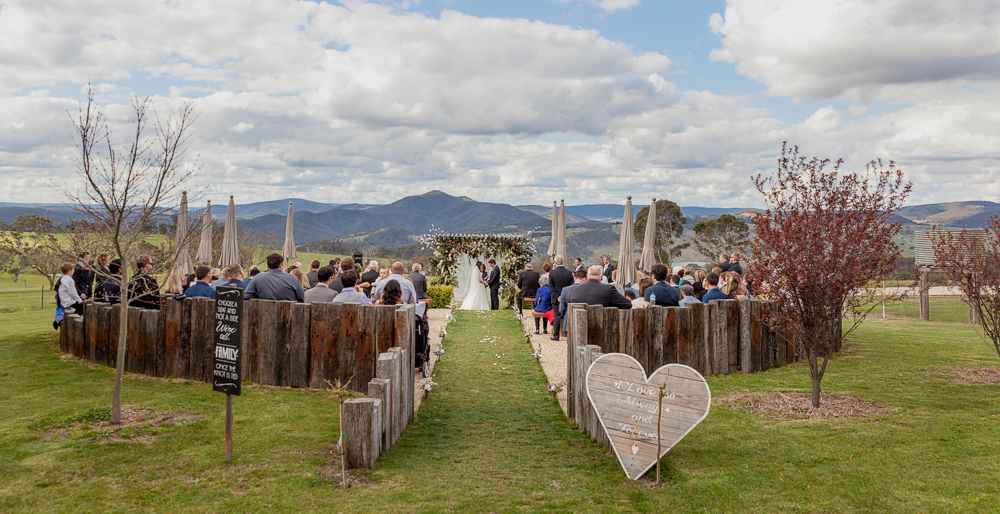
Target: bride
x,y
478,297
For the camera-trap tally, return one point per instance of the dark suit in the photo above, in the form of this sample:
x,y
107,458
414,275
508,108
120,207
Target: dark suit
x,y
494,283
84,279
735,267
607,272
559,278
724,266
419,284
527,284
593,292
369,276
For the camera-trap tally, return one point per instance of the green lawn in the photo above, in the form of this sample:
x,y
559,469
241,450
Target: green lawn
x,y
491,439
943,308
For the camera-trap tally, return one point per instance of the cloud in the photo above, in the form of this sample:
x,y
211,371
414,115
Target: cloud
x,y
821,49
366,102
608,5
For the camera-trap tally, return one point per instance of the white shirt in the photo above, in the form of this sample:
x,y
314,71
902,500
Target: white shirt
x,y
67,291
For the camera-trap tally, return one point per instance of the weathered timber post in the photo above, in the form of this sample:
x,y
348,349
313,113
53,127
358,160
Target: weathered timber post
x,y
362,432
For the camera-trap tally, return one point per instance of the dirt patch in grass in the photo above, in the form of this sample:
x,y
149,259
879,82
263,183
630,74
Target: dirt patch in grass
x,y
799,405
973,376
333,471
138,424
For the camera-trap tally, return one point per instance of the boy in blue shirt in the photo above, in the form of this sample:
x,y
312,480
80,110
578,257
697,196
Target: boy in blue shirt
x,y
713,289
203,287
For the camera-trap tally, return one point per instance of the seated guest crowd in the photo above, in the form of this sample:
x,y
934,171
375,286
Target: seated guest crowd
x,y
555,288
342,281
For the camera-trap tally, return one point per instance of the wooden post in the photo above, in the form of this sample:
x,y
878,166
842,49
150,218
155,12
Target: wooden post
x,y
319,337
595,325
733,332
720,357
366,354
380,389
229,428
577,325
640,335
579,369
400,416
587,408
745,344
925,296
593,420
388,368
91,324
405,325
297,372
154,344
348,344
626,333
362,432
654,336
170,317
974,315
184,340
699,356
611,339
684,354
670,336
267,330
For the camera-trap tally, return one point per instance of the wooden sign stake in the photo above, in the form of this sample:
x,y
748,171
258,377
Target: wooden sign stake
x,y
229,428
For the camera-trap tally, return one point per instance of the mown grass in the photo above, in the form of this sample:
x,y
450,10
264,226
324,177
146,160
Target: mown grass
x,y
491,439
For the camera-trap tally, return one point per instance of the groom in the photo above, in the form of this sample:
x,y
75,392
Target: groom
x,y
494,283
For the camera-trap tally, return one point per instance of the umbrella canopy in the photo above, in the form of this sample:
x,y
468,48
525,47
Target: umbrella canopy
x,y
181,232
648,259
561,248
205,248
555,234
289,250
626,249
230,251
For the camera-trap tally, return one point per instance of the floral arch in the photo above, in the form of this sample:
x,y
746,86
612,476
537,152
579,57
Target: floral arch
x,y
512,250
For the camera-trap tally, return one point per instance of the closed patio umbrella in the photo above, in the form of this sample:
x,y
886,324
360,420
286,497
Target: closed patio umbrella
x,y
207,224
555,233
289,250
626,249
181,232
648,258
230,251
561,244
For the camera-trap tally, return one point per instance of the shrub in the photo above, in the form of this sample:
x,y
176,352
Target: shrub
x,y
440,296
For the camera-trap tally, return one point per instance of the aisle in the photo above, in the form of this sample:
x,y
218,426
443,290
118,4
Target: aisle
x,y
490,437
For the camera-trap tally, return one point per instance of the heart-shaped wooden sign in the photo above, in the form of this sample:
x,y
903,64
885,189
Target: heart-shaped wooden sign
x,y
627,404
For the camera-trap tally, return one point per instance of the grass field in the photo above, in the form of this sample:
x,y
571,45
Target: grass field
x,y
491,439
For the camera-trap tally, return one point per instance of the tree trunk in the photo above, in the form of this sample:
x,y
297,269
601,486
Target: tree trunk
x,y
814,373
116,400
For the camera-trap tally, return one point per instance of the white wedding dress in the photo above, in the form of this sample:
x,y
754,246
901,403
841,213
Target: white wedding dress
x,y
478,298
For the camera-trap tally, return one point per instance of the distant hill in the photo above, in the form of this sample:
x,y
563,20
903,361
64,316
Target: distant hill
x,y
546,213
415,214
709,211
253,210
60,215
953,214
385,236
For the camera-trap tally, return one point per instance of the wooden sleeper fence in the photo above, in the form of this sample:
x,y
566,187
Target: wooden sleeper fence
x,y
283,344
717,338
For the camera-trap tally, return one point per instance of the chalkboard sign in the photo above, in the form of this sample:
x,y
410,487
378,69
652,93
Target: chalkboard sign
x,y
628,406
227,373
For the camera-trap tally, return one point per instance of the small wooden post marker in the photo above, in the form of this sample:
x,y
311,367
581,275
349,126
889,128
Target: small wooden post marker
x,y
226,367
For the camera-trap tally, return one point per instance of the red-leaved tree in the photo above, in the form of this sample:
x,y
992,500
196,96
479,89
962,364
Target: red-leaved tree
x,y
972,263
823,238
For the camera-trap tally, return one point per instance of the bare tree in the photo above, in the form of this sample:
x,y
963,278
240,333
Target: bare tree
x,y
822,240
972,263
125,189
255,246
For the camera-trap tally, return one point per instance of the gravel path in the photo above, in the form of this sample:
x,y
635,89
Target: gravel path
x,y
553,356
437,319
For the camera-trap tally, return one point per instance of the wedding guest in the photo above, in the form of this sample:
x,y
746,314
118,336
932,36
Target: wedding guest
x,y
313,274
608,276
345,265
699,283
202,288
383,273
637,303
175,282
734,288
666,296
234,276
643,284
675,280
723,262
713,292
559,278
349,294
273,284
392,294
321,292
69,298
546,268
254,270
370,276
593,292
396,275
543,304
527,286
301,277
687,295
578,264
419,280
112,284
100,275
143,287
579,277
83,276
734,263
216,274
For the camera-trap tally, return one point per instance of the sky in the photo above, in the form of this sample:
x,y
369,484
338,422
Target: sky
x,y
515,101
